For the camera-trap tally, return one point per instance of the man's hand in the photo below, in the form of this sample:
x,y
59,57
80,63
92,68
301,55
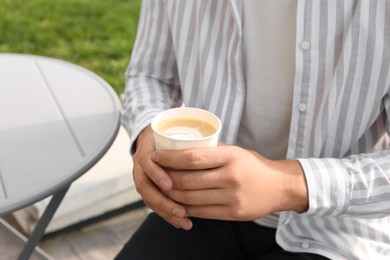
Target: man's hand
x,y
150,180
231,183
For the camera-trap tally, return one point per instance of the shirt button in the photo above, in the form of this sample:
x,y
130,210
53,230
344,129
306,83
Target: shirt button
x,y
305,45
305,245
302,107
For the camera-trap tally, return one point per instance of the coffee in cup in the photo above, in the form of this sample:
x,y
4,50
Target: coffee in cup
x,y
185,128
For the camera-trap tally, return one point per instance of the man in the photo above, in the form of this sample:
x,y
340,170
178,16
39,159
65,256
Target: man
x,y
302,88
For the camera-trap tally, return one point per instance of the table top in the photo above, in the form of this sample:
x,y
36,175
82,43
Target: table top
x,y
57,120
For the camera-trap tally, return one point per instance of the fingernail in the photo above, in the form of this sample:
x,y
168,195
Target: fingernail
x,y
155,157
184,225
177,212
164,184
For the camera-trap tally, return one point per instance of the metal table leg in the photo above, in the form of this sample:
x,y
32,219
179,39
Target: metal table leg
x,y
42,224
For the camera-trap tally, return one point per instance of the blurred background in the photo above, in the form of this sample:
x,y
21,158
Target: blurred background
x,y
96,34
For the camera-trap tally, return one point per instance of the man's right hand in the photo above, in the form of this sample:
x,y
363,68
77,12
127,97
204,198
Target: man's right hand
x,y
150,180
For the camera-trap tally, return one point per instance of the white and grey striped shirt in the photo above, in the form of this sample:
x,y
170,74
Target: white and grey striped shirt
x,y
190,51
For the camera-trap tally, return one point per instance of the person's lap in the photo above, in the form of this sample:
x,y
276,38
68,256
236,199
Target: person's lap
x,y
208,239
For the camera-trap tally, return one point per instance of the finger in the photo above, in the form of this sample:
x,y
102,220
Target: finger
x,y
171,211
196,180
142,158
199,197
219,212
193,159
156,174
184,223
178,222
154,198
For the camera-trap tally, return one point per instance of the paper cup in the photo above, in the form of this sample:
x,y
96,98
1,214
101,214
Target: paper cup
x,y
169,141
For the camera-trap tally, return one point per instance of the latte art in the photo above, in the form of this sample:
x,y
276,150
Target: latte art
x,y
185,128
183,132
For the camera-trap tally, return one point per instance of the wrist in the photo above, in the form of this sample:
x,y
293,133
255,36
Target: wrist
x,y
295,191
145,132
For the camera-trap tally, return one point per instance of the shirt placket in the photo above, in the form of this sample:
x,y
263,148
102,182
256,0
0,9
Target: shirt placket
x,y
297,141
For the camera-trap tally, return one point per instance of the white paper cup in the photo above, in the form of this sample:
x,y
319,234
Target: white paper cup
x,y
165,142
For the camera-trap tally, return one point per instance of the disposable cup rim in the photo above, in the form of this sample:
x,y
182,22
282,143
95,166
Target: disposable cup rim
x,y
153,124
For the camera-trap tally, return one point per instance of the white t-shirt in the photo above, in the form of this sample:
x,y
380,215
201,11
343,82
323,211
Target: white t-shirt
x,y
269,31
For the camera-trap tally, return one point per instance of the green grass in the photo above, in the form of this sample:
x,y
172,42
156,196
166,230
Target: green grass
x,y
96,34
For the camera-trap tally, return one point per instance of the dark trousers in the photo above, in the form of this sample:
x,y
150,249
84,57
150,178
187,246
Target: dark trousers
x,y
208,239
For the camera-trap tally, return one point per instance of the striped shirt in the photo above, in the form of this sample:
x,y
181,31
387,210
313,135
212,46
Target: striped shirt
x,y
190,51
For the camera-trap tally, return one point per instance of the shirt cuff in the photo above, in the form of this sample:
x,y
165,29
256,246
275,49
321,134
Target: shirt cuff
x,y
137,125
329,186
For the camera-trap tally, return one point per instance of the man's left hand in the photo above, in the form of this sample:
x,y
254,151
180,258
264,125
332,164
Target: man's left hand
x,y
232,183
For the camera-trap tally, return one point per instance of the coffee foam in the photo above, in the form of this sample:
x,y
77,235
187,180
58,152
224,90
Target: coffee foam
x,y
183,132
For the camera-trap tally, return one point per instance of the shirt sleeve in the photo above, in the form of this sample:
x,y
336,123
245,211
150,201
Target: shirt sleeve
x,y
358,185
152,83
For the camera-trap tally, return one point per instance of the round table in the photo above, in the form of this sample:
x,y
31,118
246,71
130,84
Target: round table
x,y
57,120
